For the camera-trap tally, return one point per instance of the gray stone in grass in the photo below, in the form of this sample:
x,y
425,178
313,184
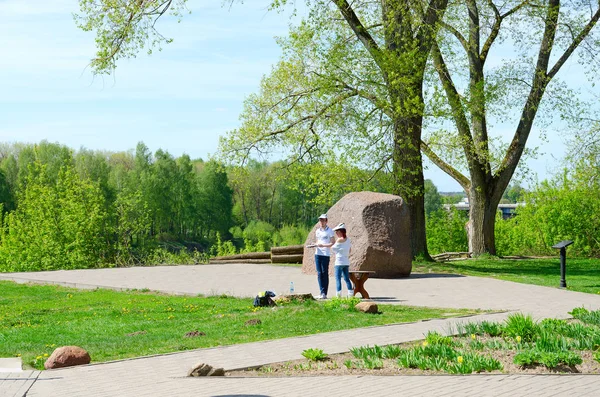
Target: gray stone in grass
x,y
203,369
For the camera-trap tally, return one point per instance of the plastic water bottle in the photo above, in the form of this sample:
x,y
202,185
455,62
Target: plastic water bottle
x,y
291,287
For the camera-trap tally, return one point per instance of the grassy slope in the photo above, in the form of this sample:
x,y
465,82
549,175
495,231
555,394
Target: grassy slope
x,y
36,319
581,274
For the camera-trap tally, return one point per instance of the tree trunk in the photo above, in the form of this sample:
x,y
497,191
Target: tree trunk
x,y
482,220
408,172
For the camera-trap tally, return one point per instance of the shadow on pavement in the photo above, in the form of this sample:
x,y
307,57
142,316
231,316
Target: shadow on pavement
x,y
433,275
387,299
241,395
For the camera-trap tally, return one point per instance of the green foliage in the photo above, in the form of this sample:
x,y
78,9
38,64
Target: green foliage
x,y
521,325
549,359
367,352
290,235
313,354
258,232
342,304
565,208
514,193
435,338
491,329
446,231
581,273
433,200
391,351
103,321
223,248
442,357
57,225
123,29
586,316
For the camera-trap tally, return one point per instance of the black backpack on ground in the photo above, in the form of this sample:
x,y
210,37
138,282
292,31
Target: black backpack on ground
x,y
264,299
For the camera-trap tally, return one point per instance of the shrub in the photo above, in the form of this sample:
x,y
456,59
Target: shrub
x,y
347,304
521,325
391,351
290,235
586,316
491,328
446,231
548,359
314,354
434,338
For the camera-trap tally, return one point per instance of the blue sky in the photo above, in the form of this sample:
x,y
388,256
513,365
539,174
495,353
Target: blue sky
x,y
181,99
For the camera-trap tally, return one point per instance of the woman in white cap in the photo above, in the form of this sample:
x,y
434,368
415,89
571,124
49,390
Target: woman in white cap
x,y
325,238
341,248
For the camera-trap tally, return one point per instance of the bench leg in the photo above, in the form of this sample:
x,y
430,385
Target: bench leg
x,y
359,283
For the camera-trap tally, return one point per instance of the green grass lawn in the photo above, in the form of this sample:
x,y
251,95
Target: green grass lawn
x,y
112,325
582,274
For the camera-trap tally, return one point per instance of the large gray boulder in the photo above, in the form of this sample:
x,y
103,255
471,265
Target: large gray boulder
x,y
378,225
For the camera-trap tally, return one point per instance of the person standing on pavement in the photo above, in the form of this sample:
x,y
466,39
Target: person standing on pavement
x,y
325,239
341,248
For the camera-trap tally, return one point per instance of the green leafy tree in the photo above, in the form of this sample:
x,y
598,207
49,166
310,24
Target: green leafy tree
x,y
446,231
433,200
392,39
58,224
215,199
472,94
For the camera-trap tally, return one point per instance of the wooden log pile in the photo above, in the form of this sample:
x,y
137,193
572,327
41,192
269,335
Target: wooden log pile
x,y
289,254
248,257
451,256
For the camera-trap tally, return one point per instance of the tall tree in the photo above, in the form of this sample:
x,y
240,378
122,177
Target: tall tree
x,y
407,30
351,91
544,35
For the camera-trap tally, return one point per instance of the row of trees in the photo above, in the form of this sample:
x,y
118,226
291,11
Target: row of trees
x,y
66,210
383,82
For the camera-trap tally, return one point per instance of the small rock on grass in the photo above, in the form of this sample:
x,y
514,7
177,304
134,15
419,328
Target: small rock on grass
x,y
193,334
67,356
203,369
367,307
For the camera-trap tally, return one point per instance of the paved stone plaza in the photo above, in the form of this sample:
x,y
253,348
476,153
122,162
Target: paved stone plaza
x,y
164,375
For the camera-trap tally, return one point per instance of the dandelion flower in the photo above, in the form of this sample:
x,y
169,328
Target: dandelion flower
x,y
425,343
473,336
518,339
459,359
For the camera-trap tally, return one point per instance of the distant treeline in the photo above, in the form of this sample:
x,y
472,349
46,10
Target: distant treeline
x,y
64,209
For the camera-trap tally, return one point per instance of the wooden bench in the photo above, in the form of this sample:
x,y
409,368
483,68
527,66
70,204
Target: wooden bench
x,y
359,277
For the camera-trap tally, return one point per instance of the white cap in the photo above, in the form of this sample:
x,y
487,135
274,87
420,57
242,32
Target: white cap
x,y
323,216
340,226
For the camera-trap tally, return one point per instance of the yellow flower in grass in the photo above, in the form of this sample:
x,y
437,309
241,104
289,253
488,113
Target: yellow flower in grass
x,y
473,336
45,354
518,339
459,359
425,343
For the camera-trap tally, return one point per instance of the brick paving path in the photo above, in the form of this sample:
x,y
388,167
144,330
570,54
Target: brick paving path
x,y
164,375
